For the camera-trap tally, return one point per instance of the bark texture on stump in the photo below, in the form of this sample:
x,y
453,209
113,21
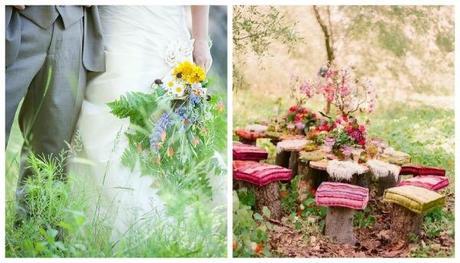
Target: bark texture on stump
x,y
239,184
405,223
313,177
294,163
268,196
339,225
282,159
318,176
384,183
246,141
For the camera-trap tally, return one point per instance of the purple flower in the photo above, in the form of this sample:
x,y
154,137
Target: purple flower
x,y
194,99
160,128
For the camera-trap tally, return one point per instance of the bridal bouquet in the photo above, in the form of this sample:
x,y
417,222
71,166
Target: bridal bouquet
x,y
175,130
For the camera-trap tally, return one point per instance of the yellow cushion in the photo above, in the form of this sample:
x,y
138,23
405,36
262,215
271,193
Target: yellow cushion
x,y
416,199
312,156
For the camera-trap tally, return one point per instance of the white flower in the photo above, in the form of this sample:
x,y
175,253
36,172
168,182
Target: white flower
x,y
178,90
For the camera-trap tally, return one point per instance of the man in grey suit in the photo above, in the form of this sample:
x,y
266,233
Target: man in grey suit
x,y
49,50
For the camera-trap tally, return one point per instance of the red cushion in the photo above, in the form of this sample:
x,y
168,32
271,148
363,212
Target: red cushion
x,y
249,135
421,170
259,173
343,195
246,152
430,182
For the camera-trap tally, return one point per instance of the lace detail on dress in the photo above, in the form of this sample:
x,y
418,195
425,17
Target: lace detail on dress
x,y
178,51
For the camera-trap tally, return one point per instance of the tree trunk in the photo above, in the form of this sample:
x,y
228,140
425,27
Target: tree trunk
x,y
246,141
384,183
328,40
339,225
268,196
294,162
313,177
405,223
282,159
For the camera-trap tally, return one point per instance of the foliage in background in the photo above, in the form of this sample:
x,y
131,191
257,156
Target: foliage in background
x,y
250,230
254,29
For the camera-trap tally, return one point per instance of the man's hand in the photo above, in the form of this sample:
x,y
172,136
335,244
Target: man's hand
x,y
202,54
20,7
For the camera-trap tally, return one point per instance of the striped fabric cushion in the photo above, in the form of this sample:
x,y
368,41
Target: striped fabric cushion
x,y
421,170
246,152
343,195
430,182
249,135
259,173
414,198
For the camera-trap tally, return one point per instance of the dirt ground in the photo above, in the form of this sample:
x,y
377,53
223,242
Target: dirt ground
x,y
374,241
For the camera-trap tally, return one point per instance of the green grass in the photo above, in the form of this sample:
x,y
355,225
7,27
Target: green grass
x,y
63,224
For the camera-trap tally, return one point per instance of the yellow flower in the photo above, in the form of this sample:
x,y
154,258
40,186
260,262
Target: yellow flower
x,y
189,72
197,75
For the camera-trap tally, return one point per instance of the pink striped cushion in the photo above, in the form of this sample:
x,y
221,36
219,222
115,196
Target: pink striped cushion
x,y
259,173
343,195
246,152
421,170
430,182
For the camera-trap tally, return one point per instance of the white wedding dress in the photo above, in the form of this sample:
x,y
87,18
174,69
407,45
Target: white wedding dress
x,y
142,43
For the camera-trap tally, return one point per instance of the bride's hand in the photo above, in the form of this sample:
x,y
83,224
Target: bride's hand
x,y
202,54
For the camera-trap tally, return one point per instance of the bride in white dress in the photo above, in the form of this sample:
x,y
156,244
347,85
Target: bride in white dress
x,y
142,43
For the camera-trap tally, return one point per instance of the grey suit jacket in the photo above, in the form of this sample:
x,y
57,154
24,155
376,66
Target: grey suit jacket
x,y
44,17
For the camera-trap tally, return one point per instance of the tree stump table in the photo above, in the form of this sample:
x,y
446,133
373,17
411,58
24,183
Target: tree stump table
x,y
264,179
395,157
410,203
385,175
311,176
287,153
321,174
342,200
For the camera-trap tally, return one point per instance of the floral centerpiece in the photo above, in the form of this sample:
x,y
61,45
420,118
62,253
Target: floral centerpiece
x,y
346,139
300,118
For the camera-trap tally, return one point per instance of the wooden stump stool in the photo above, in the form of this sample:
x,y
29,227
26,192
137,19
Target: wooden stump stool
x,y
264,179
288,153
268,195
342,200
410,203
384,183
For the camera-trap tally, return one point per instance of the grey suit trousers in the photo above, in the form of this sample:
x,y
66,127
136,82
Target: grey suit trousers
x,y
49,74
